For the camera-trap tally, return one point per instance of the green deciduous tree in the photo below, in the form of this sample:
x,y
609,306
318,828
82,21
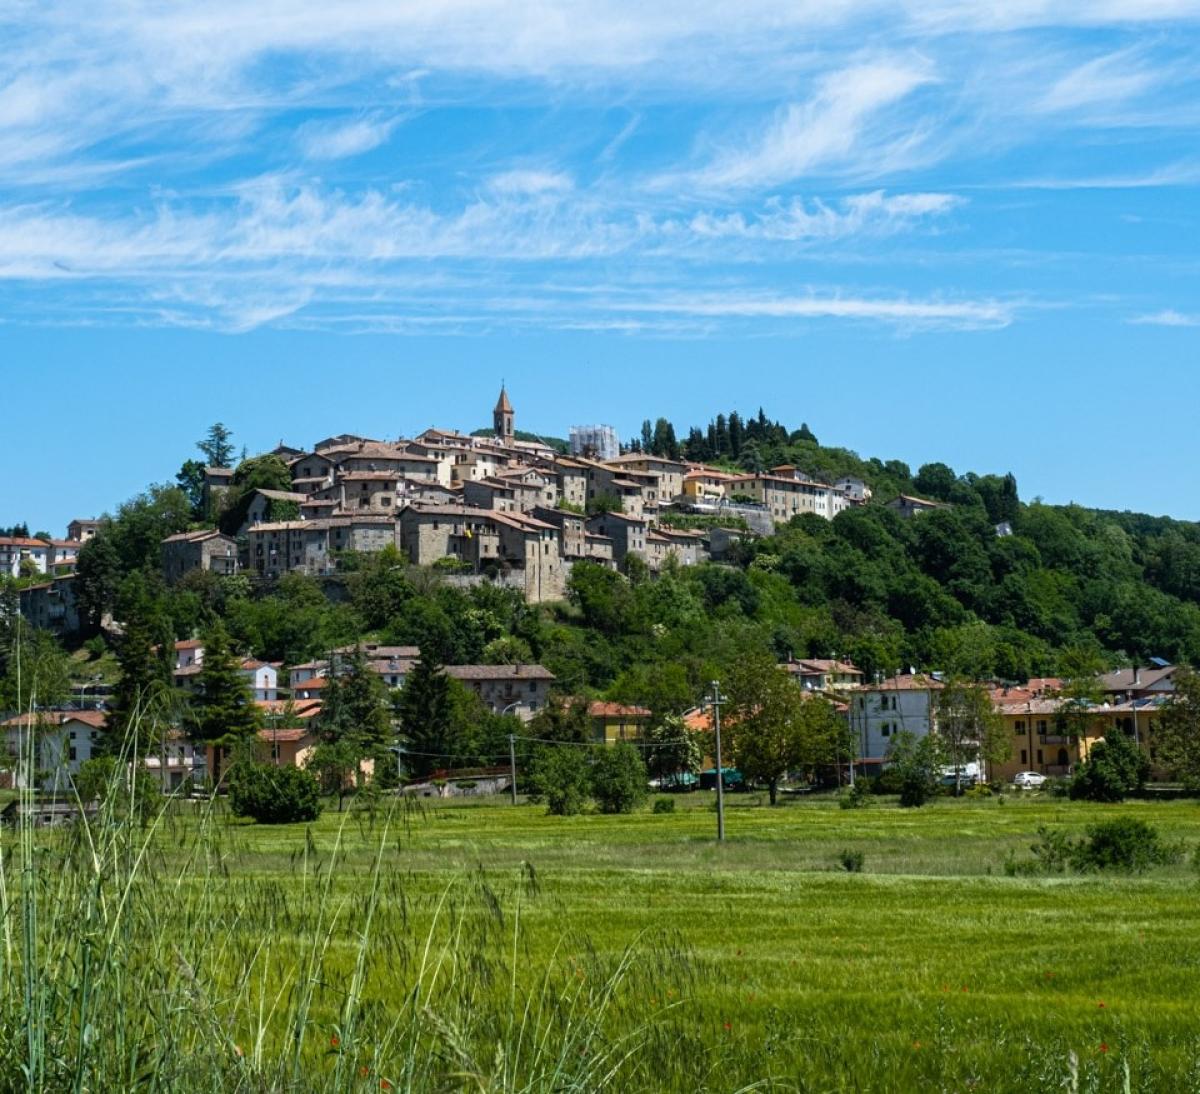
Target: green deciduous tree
x,y
560,776
969,727
618,778
1115,767
766,736
1177,729
917,762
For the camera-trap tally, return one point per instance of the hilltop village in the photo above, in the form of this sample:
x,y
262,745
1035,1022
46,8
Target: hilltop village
x,y
519,513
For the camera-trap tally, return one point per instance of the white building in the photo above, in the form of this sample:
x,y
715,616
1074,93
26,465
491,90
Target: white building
x,y
52,743
17,549
598,442
879,711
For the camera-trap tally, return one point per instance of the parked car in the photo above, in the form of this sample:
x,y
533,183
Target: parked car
x,y
1029,780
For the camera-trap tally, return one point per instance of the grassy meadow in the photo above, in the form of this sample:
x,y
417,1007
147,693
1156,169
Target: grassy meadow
x,y
471,945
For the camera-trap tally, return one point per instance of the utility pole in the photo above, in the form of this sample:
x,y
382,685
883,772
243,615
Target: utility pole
x,y
512,766
715,700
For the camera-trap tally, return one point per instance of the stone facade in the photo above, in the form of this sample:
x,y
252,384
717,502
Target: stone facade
x,y
203,550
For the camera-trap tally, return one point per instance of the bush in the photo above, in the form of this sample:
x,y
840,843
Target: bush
x,y
96,647
889,782
559,777
618,778
1124,844
857,796
664,805
979,790
274,795
1114,768
851,861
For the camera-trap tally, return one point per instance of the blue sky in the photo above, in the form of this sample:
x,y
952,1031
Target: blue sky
x,y
940,230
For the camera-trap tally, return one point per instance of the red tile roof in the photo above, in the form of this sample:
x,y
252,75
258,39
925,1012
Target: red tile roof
x,y
601,709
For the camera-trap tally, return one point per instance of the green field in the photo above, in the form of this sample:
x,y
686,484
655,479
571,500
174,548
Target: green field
x,y
473,945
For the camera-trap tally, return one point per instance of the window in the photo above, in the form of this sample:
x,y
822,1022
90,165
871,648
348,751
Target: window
x,y
1039,755
1041,726
1020,728
1024,757
885,730
71,752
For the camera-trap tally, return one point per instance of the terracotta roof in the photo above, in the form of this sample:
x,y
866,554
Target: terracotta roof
x,y
499,672
94,718
601,709
907,682
22,541
315,684
503,406
285,735
190,644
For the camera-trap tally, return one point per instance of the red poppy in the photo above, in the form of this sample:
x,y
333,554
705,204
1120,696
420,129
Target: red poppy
x,y
728,1027
364,1071
1103,1047
1100,1004
964,987
334,1042
384,1084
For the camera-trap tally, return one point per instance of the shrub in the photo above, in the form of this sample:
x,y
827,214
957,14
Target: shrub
x,y
851,861
980,790
618,779
889,782
664,805
857,796
1124,843
559,776
274,795
1114,768
95,647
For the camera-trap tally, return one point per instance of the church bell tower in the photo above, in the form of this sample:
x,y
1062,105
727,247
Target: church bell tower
x,y
503,418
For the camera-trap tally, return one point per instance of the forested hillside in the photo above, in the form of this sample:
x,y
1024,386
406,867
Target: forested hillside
x,y
940,591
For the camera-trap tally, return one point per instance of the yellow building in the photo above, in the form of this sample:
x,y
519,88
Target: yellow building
x,y
613,722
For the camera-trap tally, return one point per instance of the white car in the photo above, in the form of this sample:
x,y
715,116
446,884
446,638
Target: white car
x,y
1029,780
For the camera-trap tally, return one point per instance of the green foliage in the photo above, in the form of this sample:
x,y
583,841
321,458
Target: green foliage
x,y
917,762
33,668
618,780
604,503
857,796
272,794
223,710
1177,729
663,805
1115,768
217,446
852,861
674,749
560,777
1121,845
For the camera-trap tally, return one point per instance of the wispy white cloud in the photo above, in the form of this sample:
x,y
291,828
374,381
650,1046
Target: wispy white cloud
x,y
337,140
902,311
1112,78
530,182
1168,317
837,128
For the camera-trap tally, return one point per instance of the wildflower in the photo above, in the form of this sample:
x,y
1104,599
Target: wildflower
x,y
334,1042
916,1044
384,1084
964,987
1103,1047
728,1027
1101,1004
364,1071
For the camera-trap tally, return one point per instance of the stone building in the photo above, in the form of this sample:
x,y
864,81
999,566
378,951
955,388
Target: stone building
x,y
202,550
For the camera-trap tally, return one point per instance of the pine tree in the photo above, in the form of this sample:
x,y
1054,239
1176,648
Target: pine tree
x,y
217,445
426,714
143,696
647,436
735,434
355,707
224,710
